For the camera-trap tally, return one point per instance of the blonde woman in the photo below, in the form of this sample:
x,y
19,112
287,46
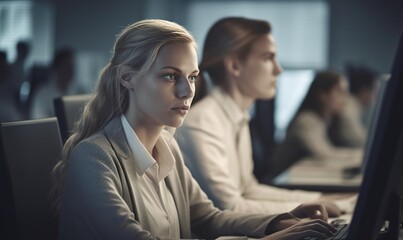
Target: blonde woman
x,y
122,176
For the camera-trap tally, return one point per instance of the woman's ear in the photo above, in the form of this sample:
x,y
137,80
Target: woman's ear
x,y
232,65
125,75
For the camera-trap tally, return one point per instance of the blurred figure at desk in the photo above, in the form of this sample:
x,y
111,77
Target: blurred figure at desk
x,y
9,110
307,134
61,82
18,69
349,128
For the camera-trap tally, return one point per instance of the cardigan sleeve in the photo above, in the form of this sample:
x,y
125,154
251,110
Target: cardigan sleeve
x,y
210,222
209,160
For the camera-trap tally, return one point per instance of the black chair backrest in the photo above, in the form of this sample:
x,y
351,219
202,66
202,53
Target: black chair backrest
x,y
31,149
262,135
68,109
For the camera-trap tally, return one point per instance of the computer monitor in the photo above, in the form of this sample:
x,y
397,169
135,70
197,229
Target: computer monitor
x,y
374,122
381,189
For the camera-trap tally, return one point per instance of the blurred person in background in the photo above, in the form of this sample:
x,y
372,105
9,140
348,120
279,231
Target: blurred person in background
x,y
9,110
349,128
18,69
307,134
239,56
60,83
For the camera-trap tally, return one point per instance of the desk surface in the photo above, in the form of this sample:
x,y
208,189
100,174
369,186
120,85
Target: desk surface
x,y
327,176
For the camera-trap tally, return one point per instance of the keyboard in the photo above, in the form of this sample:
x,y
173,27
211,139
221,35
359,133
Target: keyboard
x,y
341,233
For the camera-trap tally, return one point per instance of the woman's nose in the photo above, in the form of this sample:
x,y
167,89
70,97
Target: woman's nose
x,y
277,68
185,89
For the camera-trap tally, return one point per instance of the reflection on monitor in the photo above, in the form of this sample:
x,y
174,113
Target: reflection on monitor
x,y
374,122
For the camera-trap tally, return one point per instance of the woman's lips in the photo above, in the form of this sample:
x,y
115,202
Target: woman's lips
x,y
181,109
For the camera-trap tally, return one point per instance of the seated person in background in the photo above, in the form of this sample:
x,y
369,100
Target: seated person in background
x,y
61,82
18,68
239,56
122,176
8,104
307,133
349,128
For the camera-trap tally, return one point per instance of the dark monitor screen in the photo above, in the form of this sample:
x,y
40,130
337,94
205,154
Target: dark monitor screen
x,y
380,192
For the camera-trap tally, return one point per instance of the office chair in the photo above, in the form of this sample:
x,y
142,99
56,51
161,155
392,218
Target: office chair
x,y
7,216
262,135
31,148
67,110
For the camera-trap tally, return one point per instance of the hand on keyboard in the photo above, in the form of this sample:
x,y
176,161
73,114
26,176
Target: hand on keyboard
x,y
310,210
341,234
304,228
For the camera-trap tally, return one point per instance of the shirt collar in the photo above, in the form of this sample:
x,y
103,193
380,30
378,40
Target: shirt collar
x,y
228,105
142,158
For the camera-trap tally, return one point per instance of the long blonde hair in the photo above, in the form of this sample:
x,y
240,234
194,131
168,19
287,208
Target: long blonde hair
x,y
136,48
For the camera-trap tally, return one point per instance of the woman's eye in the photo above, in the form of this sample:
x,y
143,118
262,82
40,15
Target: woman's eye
x,y
169,76
268,57
193,78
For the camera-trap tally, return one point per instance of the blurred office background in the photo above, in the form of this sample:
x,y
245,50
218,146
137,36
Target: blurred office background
x,y
310,34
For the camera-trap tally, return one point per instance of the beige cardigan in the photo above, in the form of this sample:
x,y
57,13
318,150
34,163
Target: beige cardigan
x,y
100,199
224,166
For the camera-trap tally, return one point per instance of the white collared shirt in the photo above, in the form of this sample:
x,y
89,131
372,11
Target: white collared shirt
x,y
159,202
